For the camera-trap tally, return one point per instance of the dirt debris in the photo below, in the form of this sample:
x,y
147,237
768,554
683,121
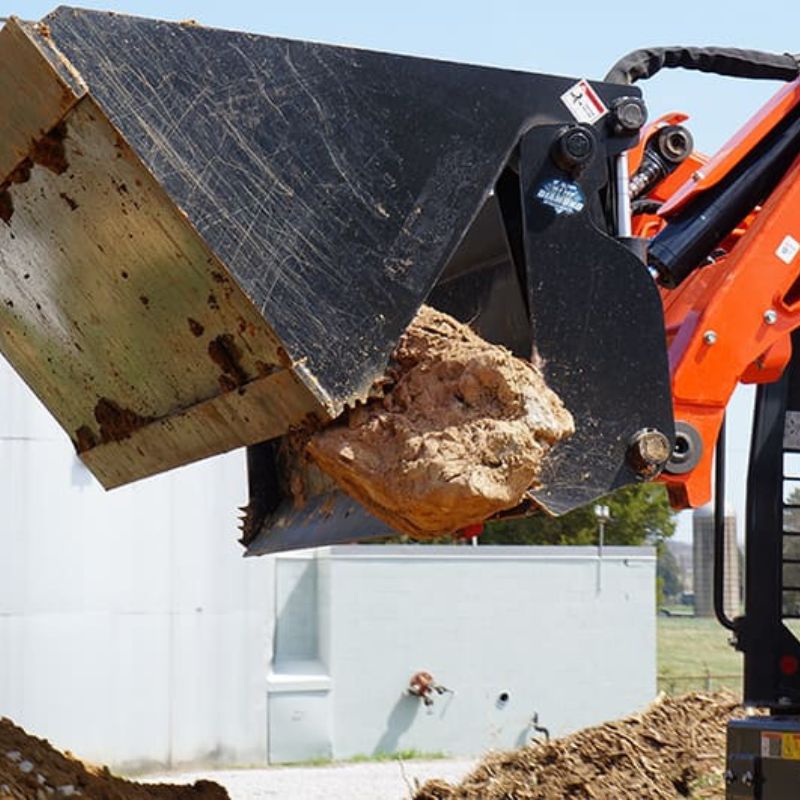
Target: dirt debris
x,y
32,769
49,152
675,749
195,327
225,353
117,423
460,435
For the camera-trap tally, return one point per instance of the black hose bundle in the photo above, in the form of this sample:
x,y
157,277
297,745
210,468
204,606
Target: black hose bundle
x,y
643,64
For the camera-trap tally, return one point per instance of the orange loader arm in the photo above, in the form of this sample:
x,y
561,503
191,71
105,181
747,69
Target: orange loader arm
x,y
729,321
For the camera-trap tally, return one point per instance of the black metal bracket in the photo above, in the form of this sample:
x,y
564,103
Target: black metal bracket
x,y
771,650
719,532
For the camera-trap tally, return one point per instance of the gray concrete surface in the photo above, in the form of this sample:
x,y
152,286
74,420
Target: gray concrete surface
x,y
384,780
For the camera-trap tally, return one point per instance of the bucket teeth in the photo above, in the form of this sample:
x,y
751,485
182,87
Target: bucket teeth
x,y
247,524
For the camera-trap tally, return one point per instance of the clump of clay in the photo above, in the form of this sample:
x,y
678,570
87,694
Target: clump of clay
x,y
460,436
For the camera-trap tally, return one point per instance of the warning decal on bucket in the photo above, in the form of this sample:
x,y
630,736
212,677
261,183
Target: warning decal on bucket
x,y
584,103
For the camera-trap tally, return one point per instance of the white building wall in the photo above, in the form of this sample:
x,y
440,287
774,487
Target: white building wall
x,y
131,628
560,633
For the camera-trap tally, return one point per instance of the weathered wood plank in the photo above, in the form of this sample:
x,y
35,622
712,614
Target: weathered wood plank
x,y
119,317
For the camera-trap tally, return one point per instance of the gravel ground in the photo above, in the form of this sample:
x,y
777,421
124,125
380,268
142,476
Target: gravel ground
x,y
373,780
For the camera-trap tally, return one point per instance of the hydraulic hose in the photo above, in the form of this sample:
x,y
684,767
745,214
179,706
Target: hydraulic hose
x,y
642,64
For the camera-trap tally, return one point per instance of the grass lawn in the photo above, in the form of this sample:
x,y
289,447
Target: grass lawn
x,y
694,654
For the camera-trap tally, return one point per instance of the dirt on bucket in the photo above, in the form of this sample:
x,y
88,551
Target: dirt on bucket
x,y
675,749
32,769
460,434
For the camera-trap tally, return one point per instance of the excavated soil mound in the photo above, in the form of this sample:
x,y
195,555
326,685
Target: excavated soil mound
x,y
460,435
31,769
676,749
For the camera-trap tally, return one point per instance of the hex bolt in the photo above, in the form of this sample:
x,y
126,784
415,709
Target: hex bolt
x,y
648,451
578,144
629,114
574,147
770,316
710,337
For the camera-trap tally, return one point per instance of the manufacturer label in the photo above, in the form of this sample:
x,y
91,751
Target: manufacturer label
x,y
788,249
780,745
584,103
562,196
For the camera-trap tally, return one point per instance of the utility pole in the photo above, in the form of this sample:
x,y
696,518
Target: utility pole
x,y
603,514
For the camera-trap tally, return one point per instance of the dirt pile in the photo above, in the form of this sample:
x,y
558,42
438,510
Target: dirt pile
x,y
460,434
676,749
31,769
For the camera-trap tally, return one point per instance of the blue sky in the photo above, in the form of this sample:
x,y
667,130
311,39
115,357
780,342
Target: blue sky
x,y
577,38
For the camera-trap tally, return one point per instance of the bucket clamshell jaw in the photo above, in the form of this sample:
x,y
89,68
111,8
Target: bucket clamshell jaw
x,y
208,237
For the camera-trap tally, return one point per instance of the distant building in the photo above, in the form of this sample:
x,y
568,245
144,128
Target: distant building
x,y
684,555
703,557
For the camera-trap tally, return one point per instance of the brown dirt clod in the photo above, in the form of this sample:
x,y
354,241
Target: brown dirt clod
x,y
31,768
117,423
225,353
84,439
73,206
264,369
49,151
675,749
6,206
461,434
22,172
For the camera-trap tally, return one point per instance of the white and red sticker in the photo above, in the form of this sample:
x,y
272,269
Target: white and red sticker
x,y
584,103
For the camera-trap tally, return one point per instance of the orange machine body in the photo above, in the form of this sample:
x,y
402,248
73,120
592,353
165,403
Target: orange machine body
x,y
729,321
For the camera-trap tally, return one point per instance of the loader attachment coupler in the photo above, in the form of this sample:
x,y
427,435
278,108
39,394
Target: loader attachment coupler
x,y
209,237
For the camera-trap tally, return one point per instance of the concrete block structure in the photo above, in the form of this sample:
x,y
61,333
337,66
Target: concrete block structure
x,y
510,632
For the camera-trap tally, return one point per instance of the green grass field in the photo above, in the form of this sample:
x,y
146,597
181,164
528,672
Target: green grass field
x,y
694,654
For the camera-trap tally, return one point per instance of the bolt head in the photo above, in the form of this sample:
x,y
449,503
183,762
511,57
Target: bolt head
x,y
710,337
674,143
630,114
648,451
574,147
578,144
770,316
